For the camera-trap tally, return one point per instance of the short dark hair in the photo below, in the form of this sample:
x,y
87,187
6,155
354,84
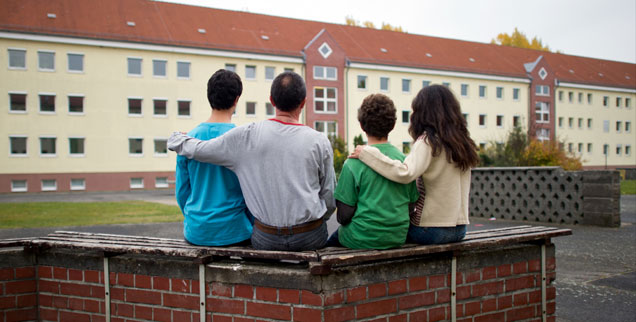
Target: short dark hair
x,y
377,115
224,87
288,91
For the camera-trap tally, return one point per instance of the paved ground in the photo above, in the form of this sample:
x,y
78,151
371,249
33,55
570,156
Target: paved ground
x,y
596,267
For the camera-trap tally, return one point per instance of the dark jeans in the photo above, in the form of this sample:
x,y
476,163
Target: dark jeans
x,y
333,240
244,243
310,240
435,235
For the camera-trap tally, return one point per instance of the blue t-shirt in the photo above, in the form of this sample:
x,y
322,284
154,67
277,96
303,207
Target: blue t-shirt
x,y
210,197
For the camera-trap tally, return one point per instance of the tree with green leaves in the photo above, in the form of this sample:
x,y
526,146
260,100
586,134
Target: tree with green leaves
x,y
340,153
358,140
519,39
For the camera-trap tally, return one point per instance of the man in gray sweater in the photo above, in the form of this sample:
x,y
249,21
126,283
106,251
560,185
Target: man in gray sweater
x,y
285,170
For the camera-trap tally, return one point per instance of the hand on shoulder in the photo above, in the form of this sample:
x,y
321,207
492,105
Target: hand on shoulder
x,y
356,153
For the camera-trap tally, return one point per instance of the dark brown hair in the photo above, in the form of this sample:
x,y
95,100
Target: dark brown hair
x,y
377,115
438,118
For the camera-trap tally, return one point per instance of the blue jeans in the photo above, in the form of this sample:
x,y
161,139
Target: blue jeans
x,y
309,240
435,235
333,240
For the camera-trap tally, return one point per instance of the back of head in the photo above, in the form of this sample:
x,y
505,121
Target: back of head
x,y
288,91
377,115
224,87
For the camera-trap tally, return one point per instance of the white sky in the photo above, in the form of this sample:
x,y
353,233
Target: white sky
x,y
603,29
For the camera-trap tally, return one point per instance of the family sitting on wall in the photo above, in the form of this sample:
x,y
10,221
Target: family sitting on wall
x,y
272,184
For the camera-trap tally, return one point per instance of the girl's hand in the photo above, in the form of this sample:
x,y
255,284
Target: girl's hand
x,y
356,153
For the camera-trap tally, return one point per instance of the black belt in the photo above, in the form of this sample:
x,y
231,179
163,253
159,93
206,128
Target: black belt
x,y
296,229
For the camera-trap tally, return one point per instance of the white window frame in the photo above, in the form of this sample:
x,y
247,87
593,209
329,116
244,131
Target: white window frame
x,y
162,184
409,82
40,103
366,82
589,148
628,127
325,73
76,155
388,84
326,127
560,96
579,148
619,149
542,90
590,98
628,149
544,110
136,155
76,187
485,120
619,127
44,51
68,101
570,122
154,114
189,69
560,122
273,69
19,155
47,155
272,108
426,83
189,116
580,97
543,134
619,102
230,67
485,96
516,117
21,189
628,102
154,147
497,93
141,66
579,122
54,188
255,107
606,126
408,112
326,54
8,58
141,113
68,62
500,126
606,101
253,77
326,100
135,185
26,105
165,65
462,87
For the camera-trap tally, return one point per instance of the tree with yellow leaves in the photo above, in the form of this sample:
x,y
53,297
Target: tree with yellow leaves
x,y
519,39
350,21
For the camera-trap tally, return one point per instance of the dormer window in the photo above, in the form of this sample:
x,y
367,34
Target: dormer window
x,y
542,73
325,50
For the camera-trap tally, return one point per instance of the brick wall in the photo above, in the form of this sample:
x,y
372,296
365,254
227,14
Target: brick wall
x,y
18,294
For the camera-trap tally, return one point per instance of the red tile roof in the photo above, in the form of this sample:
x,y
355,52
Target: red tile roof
x,y
178,25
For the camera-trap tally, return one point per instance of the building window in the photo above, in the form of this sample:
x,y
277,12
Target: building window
x,y
287,69
270,72
250,109
589,148
49,185
570,147
134,106
465,115
500,120
560,96
75,62
250,72
619,126
589,98
325,100
580,148
542,90
47,146
543,134
17,102
618,102
17,59
405,116
628,150
560,121
159,68
362,82
499,92
516,121
135,146
47,103
230,67
464,90
183,108
161,182
78,184
570,122
515,94
542,73
136,183
580,97
482,120
542,112
325,50
580,123
406,147
183,70
619,149
161,147
134,66
326,127
628,127
76,104
605,101
323,72
482,91
406,85
19,186
446,84
76,146
46,61
606,126
425,83
269,109
160,107
605,149
18,145
384,84
589,123
628,102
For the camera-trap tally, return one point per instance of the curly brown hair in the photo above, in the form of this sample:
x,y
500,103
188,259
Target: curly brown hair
x,y
438,118
377,115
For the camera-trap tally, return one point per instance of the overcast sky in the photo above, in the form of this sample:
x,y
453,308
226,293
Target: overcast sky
x,y
603,29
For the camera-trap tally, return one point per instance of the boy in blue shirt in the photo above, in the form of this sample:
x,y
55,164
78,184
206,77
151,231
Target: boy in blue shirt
x,y
209,195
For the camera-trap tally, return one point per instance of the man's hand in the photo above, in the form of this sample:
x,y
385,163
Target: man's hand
x,y
356,153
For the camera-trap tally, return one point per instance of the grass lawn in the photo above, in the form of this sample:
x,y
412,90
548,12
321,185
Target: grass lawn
x,y
628,187
57,214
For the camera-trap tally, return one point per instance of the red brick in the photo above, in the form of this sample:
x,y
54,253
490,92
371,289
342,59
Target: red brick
x,y
399,318
504,302
30,314
534,265
75,275
344,313
219,289
334,298
378,320
139,296
534,297
459,310
27,300
98,291
491,288
92,306
60,273
44,272
92,276
181,301
98,318
221,318
180,285
443,296
143,312
418,315
436,281
272,311
239,319
550,308
60,302
48,314
125,279
458,278
126,310
550,263
181,316
437,314
518,283
75,289
244,291
24,272
194,287
356,294
310,298
7,302
377,290
307,315
550,293
520,268
112,277
466,320
160,283
6,274
20,287
75,304
225,306
488,273
520,314
162,315
397,287
417,283
489,305
45,300
520,299
265,294
504,270
416,300
473,276
495,317
143,281
376,308
463,292
289,296
472,308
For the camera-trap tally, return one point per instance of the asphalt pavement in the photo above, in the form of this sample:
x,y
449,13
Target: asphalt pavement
x,y
596,266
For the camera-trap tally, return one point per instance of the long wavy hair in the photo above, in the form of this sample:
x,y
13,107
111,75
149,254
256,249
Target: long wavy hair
x,y
438,119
